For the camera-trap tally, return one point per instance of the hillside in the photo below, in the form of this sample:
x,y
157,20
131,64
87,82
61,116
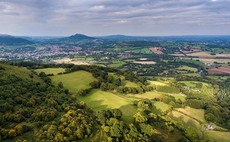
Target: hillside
x,y
10,40
93,103
30,106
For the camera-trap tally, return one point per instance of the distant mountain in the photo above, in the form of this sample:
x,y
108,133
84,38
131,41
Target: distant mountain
x,y
11,40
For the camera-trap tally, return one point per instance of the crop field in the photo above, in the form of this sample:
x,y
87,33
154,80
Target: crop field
x,y
220,70
209,61
156,50
200,54
145,62
53,71
75,80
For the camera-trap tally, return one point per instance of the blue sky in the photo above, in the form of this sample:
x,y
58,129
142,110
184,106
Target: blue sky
x,y
107,17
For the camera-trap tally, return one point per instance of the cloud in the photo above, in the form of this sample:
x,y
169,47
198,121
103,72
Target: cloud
x,y
61,17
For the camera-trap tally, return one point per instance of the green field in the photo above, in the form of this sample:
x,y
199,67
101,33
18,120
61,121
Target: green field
x,y
75,80
160,107
197,114
54,71
130,84
100,100
116,64
187,68
195,118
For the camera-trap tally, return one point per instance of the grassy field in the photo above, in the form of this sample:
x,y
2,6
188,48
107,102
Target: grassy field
x,y
156,83
74,81
193,83
197,114
99,100
149,95
54,71
187,68
116,64
215,136
160,107
130,84
189,117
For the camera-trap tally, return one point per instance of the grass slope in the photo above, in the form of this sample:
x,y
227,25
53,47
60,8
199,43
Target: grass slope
x,y
100,100
75,80
19,71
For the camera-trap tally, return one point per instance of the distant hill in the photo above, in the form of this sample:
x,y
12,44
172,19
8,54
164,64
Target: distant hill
x,y
79,37
171,38
79,40
11,40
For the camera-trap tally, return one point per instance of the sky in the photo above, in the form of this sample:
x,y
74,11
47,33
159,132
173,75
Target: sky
x,y
110,17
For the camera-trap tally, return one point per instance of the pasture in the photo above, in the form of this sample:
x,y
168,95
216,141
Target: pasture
x,y
187,68
53,71
74,81
100,100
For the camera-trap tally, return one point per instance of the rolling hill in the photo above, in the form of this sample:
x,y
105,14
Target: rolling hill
x,y
11,40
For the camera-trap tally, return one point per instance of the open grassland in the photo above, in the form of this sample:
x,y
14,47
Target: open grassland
x,y
187,68
148,95
167,89
19,71
53,71
116,64
75,80
193,84
160,107
156,83
131,84
194,119
100,100
216,136
158,95
197,114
